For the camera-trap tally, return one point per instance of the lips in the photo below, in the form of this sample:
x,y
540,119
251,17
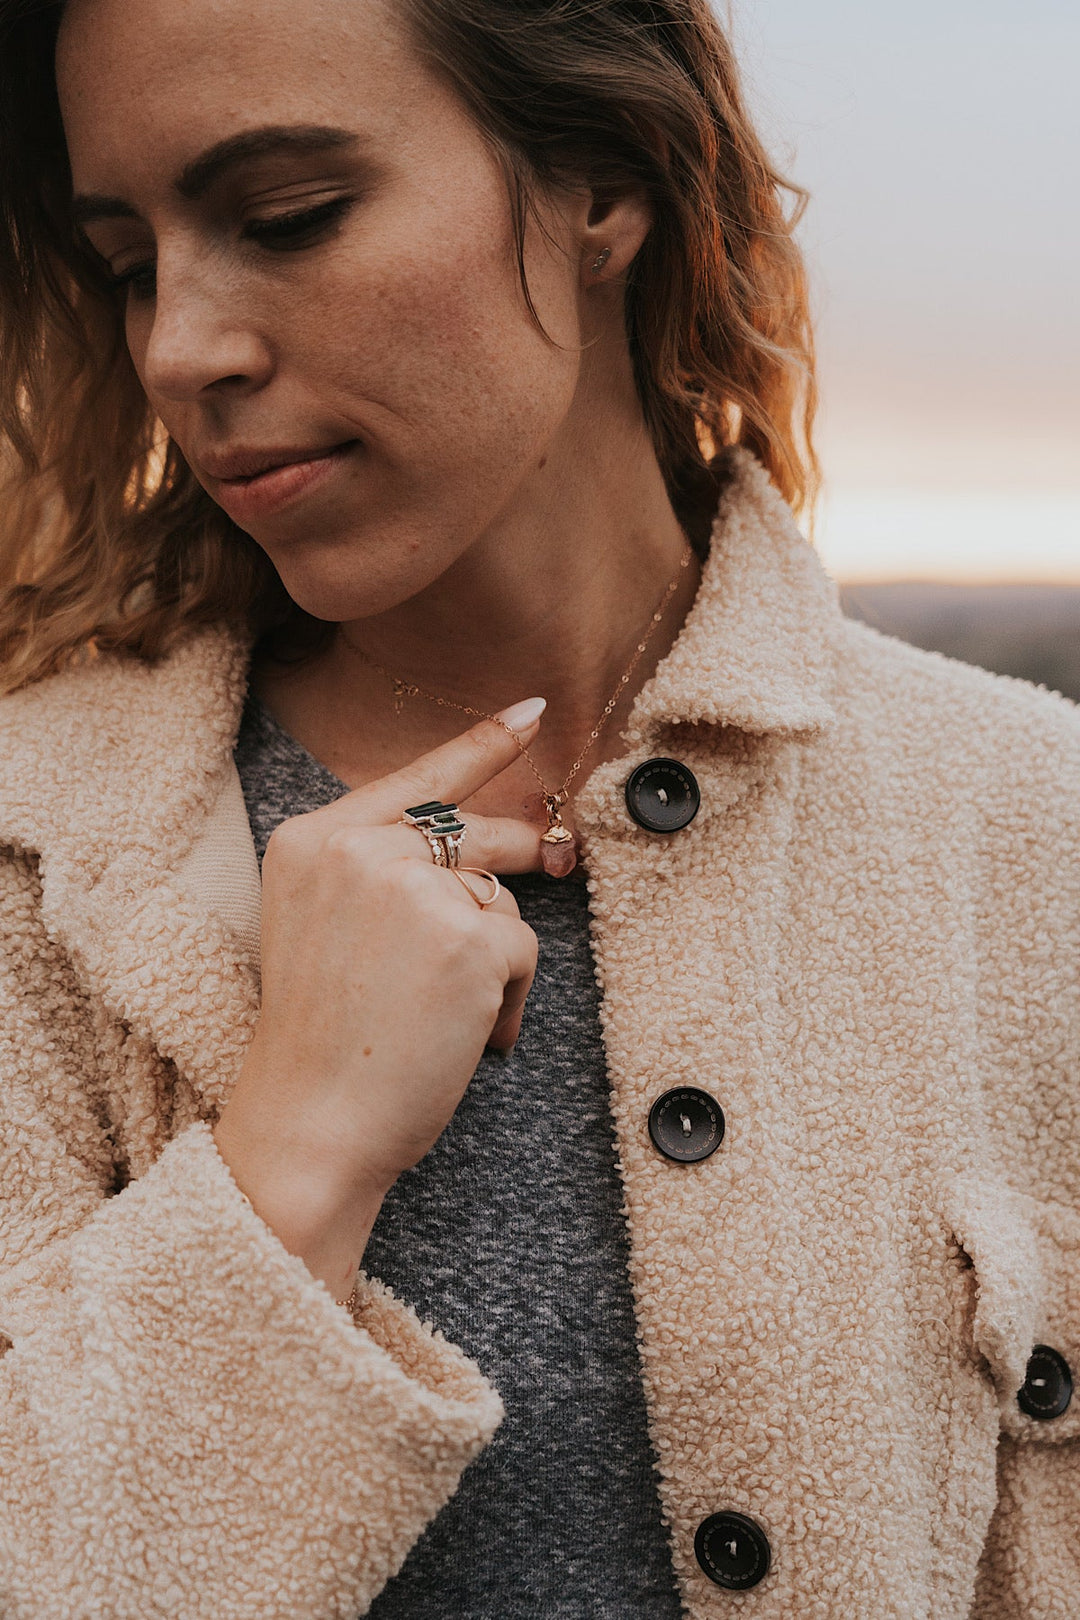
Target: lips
x,y
260,484
242,464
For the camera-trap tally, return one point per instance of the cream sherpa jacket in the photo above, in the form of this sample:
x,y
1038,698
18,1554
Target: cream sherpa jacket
x,y
865,947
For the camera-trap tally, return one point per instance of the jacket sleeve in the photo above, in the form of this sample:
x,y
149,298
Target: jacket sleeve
x,y
189,1425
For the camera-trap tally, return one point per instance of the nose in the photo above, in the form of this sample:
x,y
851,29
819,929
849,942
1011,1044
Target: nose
x,y
204,335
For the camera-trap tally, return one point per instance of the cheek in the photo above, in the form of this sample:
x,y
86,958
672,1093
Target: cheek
x,y
439,340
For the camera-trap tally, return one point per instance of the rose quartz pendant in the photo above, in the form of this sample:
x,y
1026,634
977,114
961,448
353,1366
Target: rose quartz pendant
x,y
558,850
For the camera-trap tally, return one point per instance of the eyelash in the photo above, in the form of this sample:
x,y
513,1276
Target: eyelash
x,y
284,233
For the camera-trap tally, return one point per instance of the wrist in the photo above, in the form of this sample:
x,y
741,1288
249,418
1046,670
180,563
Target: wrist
x,y
312,1215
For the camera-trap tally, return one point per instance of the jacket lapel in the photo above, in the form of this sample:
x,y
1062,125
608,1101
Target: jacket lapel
x,y
121,779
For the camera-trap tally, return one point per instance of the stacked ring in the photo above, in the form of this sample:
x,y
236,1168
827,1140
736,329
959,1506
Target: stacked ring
x,y
442,827
445,831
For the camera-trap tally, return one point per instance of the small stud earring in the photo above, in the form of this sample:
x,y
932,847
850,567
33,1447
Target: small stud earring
x,y
601,259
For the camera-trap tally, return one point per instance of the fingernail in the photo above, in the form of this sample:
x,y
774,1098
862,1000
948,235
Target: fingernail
x,y
520,716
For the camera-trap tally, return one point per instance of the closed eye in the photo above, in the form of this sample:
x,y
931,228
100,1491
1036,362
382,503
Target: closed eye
x,y
286,228
282,233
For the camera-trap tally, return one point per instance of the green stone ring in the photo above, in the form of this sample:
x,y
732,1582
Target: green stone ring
x,y
443,828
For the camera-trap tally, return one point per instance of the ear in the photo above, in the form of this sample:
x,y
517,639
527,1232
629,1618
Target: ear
x,y
610,231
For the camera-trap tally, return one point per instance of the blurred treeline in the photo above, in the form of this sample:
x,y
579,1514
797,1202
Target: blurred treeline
x,y
1032,631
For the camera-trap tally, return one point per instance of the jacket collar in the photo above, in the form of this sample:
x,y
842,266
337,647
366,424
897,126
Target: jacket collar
x,y
119,776
752,670
757,649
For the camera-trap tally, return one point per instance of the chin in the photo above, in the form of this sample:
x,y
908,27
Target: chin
x,y
338,604
338,588
369,562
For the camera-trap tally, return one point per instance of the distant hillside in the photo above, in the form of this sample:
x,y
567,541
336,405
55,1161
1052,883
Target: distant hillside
x,y
1028,630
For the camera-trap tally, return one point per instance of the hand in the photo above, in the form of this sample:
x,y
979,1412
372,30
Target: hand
x,y
382,982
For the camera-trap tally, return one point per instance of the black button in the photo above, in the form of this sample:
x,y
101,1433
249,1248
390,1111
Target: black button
x,y
662,795
1047,1389
686,1124
732,1550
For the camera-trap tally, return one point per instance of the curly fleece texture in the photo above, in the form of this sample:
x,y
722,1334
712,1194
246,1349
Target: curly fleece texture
x,y
865,946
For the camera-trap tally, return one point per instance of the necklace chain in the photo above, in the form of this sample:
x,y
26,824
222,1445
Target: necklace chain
x,y
556,800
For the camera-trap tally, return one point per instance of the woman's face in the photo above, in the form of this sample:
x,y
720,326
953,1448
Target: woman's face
x,y
320,270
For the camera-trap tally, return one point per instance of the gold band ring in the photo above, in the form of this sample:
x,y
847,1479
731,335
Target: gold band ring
x,y
478,871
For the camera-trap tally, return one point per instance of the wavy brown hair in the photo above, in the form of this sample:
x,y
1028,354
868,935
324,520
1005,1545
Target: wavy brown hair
x,y
108,542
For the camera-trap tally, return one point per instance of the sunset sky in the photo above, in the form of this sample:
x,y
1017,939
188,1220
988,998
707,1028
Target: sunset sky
x,y
941,143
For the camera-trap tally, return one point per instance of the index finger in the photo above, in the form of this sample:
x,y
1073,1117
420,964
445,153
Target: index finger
x,y
456,769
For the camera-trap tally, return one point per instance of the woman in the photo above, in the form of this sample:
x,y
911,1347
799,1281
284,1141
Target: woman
x,y
372,370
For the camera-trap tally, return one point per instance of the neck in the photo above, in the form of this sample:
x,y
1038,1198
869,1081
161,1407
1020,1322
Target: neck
x,y
552,600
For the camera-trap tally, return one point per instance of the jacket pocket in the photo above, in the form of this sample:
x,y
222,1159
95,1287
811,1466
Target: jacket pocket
x,y
1025,1257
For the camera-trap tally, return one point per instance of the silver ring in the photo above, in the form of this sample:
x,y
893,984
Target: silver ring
x,y
443,828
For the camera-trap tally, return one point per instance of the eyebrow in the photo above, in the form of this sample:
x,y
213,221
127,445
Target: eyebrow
x,y
197,177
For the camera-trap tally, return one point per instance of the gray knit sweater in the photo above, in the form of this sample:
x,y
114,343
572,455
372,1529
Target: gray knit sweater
x,y
510,1237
